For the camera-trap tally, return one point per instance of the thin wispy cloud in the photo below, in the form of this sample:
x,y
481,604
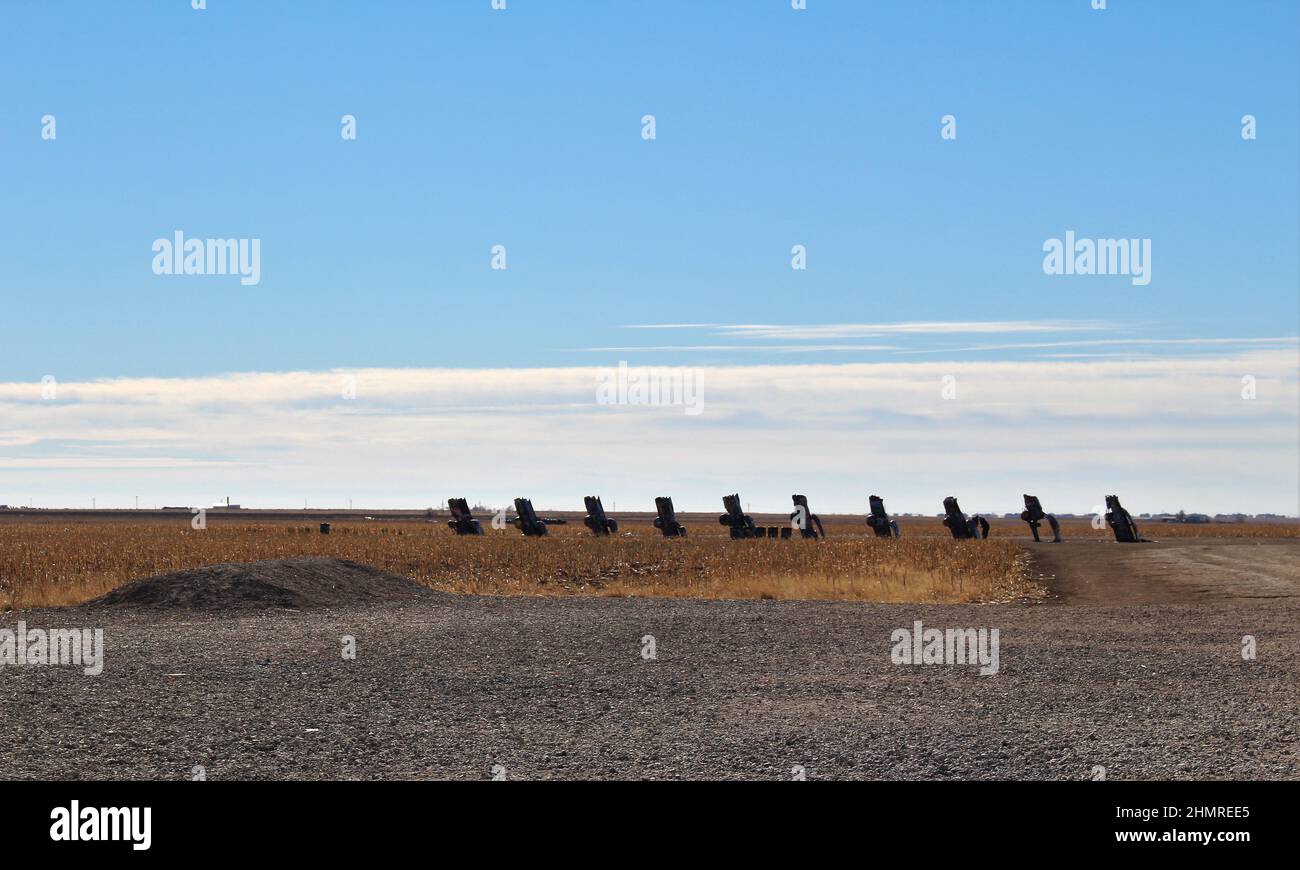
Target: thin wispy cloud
x,y
926,337
1279,341
874,330
738,348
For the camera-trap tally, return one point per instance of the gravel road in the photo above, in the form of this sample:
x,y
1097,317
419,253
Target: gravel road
x,y
535,688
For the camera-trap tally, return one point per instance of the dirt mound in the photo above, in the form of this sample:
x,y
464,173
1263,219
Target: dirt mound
x,y
300,584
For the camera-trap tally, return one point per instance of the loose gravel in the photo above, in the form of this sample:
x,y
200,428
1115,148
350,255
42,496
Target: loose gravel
x,y
536,688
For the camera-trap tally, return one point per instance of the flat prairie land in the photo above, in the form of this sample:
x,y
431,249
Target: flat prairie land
x,y
1128,659
48,564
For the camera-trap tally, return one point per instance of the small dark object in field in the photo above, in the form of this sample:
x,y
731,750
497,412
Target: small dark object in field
x,y
804,519
962,528
1121,522
462,520
527,520
879,520
739,523
1034,515
596,519
666,522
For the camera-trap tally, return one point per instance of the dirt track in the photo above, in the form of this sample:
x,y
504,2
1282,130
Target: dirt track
x,y
1176,571
556,687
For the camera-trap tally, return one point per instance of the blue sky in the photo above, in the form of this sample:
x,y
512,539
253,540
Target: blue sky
x,y
522,128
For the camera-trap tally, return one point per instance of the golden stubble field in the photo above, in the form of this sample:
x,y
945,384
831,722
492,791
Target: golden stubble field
x,y
63,563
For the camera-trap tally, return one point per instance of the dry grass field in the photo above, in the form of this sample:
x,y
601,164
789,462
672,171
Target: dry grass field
x,y
49,563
